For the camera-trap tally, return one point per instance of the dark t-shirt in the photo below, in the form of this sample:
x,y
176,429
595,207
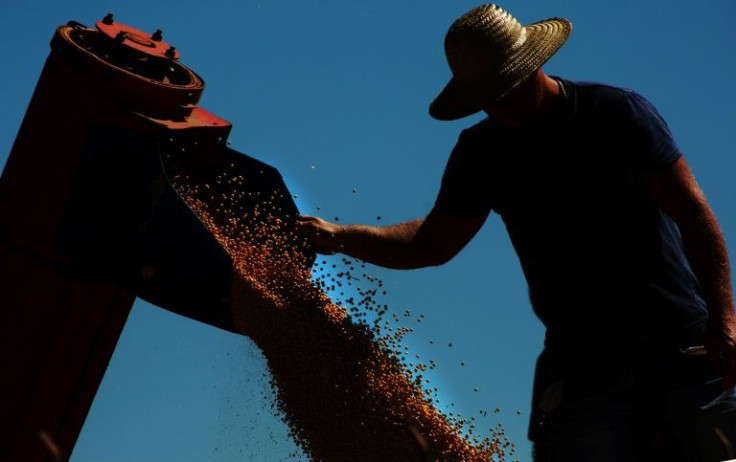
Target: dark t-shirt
x,y
605,266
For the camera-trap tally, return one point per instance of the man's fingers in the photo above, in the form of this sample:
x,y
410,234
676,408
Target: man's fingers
x,y
728,364
307,219
714,357
320,233
723,360
306,225
309,224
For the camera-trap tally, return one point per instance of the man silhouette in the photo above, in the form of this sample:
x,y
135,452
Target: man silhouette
x,y
626,265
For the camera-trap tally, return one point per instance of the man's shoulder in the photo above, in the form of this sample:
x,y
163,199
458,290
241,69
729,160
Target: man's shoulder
x,y
603,99
598,88
620,102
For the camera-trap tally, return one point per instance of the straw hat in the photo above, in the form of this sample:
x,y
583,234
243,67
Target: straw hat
x,y
489,54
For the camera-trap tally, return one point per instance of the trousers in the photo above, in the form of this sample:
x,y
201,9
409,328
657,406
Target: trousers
x,y
642,406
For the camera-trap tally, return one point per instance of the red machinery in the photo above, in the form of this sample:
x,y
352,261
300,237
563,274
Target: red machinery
x,y
89,221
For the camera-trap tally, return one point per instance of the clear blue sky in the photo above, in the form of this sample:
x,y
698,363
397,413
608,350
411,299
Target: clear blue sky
x,y
335,95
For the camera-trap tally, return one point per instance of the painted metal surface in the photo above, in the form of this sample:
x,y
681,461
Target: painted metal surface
x,y
89,221
152,45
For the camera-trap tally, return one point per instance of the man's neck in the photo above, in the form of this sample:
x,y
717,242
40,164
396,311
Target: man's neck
x,y
528,103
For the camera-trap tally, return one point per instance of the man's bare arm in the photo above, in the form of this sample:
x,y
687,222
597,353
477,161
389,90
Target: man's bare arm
x,y
414,244
679,195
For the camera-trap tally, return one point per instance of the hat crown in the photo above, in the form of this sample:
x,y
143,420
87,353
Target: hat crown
x,y
480,43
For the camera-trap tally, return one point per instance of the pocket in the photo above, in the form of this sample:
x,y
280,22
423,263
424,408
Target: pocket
x,y
548,392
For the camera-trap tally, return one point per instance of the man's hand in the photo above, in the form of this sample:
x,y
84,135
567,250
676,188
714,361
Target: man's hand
x,y
720,342
320,233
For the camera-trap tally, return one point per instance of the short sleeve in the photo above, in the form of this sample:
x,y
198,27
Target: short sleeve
x,y
464,189
652,146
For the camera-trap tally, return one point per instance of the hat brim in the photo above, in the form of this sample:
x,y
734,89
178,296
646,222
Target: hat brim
x,y
461,99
